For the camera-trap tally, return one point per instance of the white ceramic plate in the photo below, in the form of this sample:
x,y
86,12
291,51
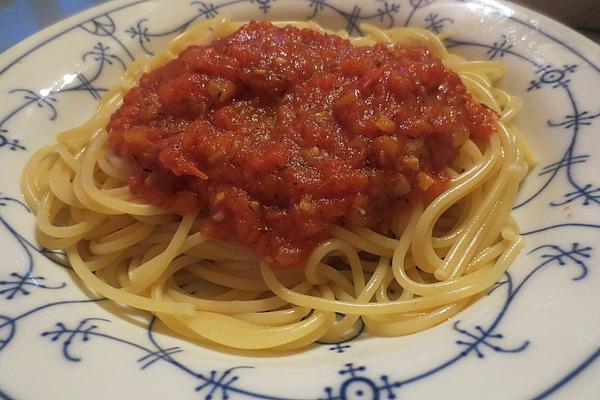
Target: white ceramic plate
x,y
537,334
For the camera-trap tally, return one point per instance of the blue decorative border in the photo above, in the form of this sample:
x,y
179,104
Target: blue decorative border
x,y
22,283
354,379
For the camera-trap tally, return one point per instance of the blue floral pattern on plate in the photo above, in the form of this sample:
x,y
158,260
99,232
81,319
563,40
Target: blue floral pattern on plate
x,y
111,41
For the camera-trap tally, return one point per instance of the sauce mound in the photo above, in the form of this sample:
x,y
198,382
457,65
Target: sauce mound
x,y
275,134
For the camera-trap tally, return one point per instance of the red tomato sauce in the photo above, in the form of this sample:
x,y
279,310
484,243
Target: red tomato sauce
x,y
275,134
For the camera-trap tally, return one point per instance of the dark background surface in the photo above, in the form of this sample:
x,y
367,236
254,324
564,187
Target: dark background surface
x,y
22,18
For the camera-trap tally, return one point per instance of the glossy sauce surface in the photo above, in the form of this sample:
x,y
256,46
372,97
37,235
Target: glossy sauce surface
x,y
275,134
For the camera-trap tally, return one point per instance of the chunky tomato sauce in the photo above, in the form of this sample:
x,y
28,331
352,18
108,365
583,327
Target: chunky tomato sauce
x,y
274,134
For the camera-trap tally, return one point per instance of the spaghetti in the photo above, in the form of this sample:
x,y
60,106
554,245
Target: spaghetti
x,y
437,258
